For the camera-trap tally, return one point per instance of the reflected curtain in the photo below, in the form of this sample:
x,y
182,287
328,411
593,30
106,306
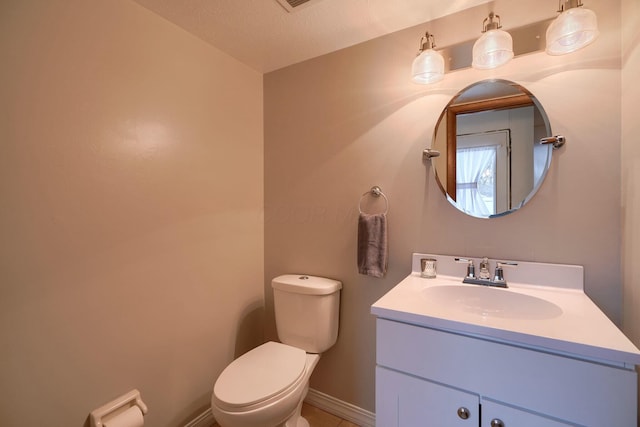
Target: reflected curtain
x,y
471,163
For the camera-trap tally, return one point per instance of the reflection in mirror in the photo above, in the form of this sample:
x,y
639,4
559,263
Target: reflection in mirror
x,y
491,161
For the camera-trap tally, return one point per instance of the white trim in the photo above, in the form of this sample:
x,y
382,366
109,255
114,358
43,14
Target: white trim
x,y
205,419
337,407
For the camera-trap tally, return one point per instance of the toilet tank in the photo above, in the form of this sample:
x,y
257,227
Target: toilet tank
x,y
307,311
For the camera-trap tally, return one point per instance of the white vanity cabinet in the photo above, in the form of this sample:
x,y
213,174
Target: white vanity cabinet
x,y
431,377
538,354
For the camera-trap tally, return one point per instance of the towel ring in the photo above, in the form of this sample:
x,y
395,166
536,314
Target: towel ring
x,y
375,192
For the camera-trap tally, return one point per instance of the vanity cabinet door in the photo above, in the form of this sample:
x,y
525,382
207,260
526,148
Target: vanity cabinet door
x,y
495,414
406,401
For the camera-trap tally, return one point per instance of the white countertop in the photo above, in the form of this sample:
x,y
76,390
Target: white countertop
x,y
575,325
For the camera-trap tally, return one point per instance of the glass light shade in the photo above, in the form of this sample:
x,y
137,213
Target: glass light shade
x,y
428,67
572,30
493,49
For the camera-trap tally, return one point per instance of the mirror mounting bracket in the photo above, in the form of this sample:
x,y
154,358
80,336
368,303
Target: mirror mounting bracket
x,y
557,141
429,153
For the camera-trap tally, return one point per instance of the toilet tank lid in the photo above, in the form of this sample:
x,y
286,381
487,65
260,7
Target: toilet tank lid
x,y
305,284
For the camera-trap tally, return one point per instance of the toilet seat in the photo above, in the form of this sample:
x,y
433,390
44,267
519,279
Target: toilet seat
x,y
259,376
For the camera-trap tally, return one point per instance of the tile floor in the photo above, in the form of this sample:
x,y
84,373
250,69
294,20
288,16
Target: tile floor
x,y
320,418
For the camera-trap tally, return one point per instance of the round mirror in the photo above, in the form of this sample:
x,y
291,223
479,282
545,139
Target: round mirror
x,y
491,159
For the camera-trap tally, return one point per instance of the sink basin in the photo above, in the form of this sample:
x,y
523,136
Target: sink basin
x,y
491,302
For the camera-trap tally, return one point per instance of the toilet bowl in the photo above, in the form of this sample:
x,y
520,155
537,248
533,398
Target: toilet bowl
x,y
266,386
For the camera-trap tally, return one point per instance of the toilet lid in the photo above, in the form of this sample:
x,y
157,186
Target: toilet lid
x,y
260,374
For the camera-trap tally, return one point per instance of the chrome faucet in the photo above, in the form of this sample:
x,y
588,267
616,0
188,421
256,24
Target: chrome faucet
x,y
484,277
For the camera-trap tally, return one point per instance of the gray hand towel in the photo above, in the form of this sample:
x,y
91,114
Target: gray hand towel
x,y
372,244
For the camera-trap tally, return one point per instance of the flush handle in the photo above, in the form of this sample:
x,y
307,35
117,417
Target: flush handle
x,y
463,413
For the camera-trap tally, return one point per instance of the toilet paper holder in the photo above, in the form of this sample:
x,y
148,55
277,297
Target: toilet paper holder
x,y
125,401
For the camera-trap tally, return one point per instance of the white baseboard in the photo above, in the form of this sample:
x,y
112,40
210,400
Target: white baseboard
x,y
205,419
341,409
320,400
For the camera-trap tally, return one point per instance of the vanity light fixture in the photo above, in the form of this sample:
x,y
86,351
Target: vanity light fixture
x,y
575,28
428,66
494,48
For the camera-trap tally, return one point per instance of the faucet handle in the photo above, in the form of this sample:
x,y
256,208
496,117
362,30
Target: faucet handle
x,y
499,274
471,268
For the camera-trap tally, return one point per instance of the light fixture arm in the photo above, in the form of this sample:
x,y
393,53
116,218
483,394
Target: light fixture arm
x,y
568,4
491,25
426,42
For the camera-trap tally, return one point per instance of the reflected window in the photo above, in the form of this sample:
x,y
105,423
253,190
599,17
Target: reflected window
x,y
482,175
476,180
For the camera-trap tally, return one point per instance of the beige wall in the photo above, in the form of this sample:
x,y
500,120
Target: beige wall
x,y
131,171
631,169
339,124
131,174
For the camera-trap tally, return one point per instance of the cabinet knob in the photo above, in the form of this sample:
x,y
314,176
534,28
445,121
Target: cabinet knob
x,y
497,423
463,413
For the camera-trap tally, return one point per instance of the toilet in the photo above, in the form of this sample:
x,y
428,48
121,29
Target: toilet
x,y
266,386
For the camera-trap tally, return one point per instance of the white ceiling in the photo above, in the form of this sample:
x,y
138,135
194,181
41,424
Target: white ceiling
x,y
263,35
